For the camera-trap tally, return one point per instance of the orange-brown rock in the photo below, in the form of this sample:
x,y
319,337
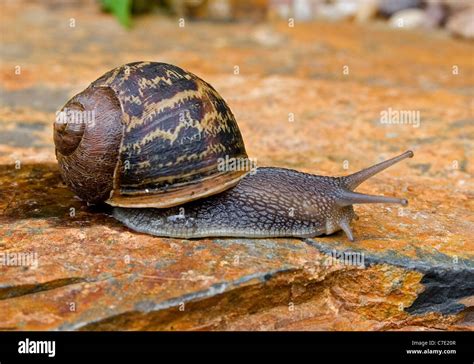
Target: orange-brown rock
x,y
411,268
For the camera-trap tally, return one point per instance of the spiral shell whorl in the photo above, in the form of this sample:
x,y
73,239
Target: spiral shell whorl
x,y
68,134
87,144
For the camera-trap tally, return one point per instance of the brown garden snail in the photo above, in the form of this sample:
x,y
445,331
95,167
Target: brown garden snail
x,y
152,149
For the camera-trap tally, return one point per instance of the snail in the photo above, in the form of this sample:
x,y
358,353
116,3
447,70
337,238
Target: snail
x,y
148,139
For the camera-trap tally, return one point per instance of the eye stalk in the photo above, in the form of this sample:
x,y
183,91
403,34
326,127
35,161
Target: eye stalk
x,y
347,197
355,179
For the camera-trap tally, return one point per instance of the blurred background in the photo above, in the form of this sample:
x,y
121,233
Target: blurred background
x,y
455,15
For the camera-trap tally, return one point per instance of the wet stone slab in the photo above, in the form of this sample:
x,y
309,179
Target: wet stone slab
x,y
410,268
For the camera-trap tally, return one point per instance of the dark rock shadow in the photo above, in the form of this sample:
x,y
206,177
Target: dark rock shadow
x,y
36,191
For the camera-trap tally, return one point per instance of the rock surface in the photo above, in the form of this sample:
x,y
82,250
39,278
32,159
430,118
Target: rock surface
x,y
410,268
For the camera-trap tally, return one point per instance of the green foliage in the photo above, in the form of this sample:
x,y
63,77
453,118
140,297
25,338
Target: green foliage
x,y
122,9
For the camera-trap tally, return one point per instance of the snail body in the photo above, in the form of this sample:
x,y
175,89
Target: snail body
x,y
155,146
269,203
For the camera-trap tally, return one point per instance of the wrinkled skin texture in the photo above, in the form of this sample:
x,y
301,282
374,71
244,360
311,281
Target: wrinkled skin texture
x,y
272,202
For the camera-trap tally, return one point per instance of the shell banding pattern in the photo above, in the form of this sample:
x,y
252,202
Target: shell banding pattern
x,y
176,127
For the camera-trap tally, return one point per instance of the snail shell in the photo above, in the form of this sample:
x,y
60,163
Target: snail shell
x,y
147,135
